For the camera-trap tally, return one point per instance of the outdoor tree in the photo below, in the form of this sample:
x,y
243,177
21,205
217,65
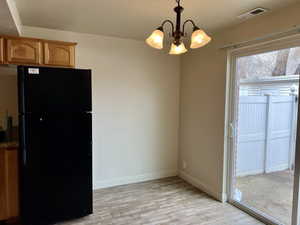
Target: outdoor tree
x,y
268,64
296,57
254,66
297,72
281,62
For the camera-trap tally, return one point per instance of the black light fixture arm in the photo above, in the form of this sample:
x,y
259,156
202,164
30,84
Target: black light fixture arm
x,y
189,21
164,23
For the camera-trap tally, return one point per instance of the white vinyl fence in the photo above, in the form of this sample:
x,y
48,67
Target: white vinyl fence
x,y
266,134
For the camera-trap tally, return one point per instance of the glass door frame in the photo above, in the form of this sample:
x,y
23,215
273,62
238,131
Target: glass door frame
x,y
231,128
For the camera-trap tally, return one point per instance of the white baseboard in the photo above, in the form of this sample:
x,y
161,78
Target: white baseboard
x,y
134,179
208,190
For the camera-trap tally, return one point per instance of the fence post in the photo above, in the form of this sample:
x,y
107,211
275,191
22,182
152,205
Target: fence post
x,y
269,118
293,132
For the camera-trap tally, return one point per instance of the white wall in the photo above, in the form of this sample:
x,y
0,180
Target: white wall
x,y
136,98
135,106
203,87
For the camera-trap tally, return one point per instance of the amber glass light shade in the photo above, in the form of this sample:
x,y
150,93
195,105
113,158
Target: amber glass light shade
x,y
177,50
156,39
199,39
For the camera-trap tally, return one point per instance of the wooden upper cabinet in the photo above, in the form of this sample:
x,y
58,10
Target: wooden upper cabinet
x,y
1,50
33,51
24,51
59,54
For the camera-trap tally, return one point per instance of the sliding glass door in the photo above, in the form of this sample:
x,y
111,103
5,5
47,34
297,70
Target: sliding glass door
x,y
263,126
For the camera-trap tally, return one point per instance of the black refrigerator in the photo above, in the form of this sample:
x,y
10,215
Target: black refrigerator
x,y
55,118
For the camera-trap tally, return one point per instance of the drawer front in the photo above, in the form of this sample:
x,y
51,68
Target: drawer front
x,y
23,51
59,54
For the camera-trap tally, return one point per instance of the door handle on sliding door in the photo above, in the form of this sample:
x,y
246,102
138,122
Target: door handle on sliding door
x,y
231,130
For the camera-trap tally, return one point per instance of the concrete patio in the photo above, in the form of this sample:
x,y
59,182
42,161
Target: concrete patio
x,y
270,193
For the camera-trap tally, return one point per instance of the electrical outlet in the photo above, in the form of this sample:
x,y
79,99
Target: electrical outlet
x,y
183,165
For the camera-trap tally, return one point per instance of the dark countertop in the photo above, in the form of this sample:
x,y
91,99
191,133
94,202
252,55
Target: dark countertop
x,y
9,145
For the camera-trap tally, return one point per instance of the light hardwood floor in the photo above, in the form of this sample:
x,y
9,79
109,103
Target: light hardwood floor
x,y
169,201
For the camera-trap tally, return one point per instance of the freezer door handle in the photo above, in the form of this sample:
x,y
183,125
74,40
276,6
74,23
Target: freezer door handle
x,y
23,142
24,157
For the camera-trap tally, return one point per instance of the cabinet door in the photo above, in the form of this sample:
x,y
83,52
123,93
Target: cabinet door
x,y
11,158
9,192
59,54
3,193
24,51
1,50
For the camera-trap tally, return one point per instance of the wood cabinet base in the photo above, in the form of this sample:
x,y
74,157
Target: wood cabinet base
x,y
9,193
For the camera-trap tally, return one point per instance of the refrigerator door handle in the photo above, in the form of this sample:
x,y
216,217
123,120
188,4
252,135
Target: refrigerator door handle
x,y
24,157
23,143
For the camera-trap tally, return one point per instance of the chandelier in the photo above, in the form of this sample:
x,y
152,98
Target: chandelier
x,y
198,39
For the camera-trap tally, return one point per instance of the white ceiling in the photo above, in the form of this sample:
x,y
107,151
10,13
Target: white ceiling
x,y
8,18
134,18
